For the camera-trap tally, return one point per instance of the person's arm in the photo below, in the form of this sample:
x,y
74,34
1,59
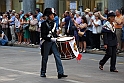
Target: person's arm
x,y
97,24
105,40
2,35
44,34
12,19
101,16
84,26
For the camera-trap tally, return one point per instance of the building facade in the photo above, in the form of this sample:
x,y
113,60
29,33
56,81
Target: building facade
x,y
59,5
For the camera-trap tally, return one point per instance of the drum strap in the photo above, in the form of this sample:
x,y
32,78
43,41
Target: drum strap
x,y
54,27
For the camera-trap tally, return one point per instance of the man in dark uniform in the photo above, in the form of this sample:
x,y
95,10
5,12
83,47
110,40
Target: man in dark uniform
x,y
110,43
49,45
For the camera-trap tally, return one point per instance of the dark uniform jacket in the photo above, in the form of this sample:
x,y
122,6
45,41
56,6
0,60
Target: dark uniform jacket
x,y
46,28
109,35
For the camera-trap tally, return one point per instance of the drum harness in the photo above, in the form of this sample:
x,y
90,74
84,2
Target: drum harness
x,y
50,32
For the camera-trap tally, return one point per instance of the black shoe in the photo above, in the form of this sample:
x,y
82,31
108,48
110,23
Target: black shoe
x,y
42,75
61,75
113,70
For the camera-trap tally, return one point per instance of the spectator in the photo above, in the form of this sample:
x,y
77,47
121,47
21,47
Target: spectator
x,y
89,34
3,38
21,14
96,36
105,15
62,24
30,15
123,31
33,23
118,25
72,25
25,25
56,19
77,22
82,38
67,21
18,28
5,24
12,27
39,15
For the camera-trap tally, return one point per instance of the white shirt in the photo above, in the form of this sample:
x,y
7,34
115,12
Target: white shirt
x,y
94,28
91,28
17,23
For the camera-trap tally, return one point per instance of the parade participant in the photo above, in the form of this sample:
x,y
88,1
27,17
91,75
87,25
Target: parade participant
x,y
49,44
110,43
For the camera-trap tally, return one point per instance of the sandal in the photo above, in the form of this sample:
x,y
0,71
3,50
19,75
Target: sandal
x,y
100,67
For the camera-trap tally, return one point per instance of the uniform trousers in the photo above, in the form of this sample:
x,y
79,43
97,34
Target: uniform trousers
x,y
53,47
110,53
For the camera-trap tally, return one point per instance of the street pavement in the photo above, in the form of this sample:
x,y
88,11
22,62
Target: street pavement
x,y
22,65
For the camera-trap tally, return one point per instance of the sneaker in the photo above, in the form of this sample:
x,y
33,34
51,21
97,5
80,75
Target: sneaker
x,y
84,51
94,49
97,49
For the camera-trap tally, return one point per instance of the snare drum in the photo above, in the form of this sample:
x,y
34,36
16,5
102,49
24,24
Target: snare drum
x,y
65,48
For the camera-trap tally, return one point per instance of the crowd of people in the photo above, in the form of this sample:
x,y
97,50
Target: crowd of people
x,y
87,27
21,28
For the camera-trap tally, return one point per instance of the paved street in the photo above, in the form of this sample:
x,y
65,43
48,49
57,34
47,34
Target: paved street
x,y
22,65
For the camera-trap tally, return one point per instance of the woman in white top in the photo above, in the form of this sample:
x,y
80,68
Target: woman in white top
x,y
96,36
4,24
18,28
33,33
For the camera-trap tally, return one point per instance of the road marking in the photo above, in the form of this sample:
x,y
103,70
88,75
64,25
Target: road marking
x,y
120,63
18,71
2,78
22,51
94,60
73,81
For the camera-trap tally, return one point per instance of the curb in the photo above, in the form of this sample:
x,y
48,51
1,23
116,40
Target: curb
x,y
101,52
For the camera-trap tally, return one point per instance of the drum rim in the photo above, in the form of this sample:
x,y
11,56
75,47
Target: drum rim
x,y
65,40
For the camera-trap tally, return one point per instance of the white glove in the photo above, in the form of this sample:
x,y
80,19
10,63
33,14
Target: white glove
x,y
53,39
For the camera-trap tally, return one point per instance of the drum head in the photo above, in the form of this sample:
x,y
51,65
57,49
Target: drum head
x,y
62,39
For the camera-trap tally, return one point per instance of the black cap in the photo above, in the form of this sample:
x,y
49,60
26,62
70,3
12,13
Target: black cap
x,y
48,11
111,14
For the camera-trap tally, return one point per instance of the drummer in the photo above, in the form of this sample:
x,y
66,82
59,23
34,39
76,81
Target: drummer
x,y
49,45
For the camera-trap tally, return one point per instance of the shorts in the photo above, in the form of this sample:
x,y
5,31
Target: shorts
x,y
83,38
17,30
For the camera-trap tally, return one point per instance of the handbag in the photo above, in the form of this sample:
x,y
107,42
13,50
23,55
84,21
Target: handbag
x,y
80,33
99,29
32,28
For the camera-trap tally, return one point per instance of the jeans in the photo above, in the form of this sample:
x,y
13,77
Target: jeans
x,y
47,47
12,31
